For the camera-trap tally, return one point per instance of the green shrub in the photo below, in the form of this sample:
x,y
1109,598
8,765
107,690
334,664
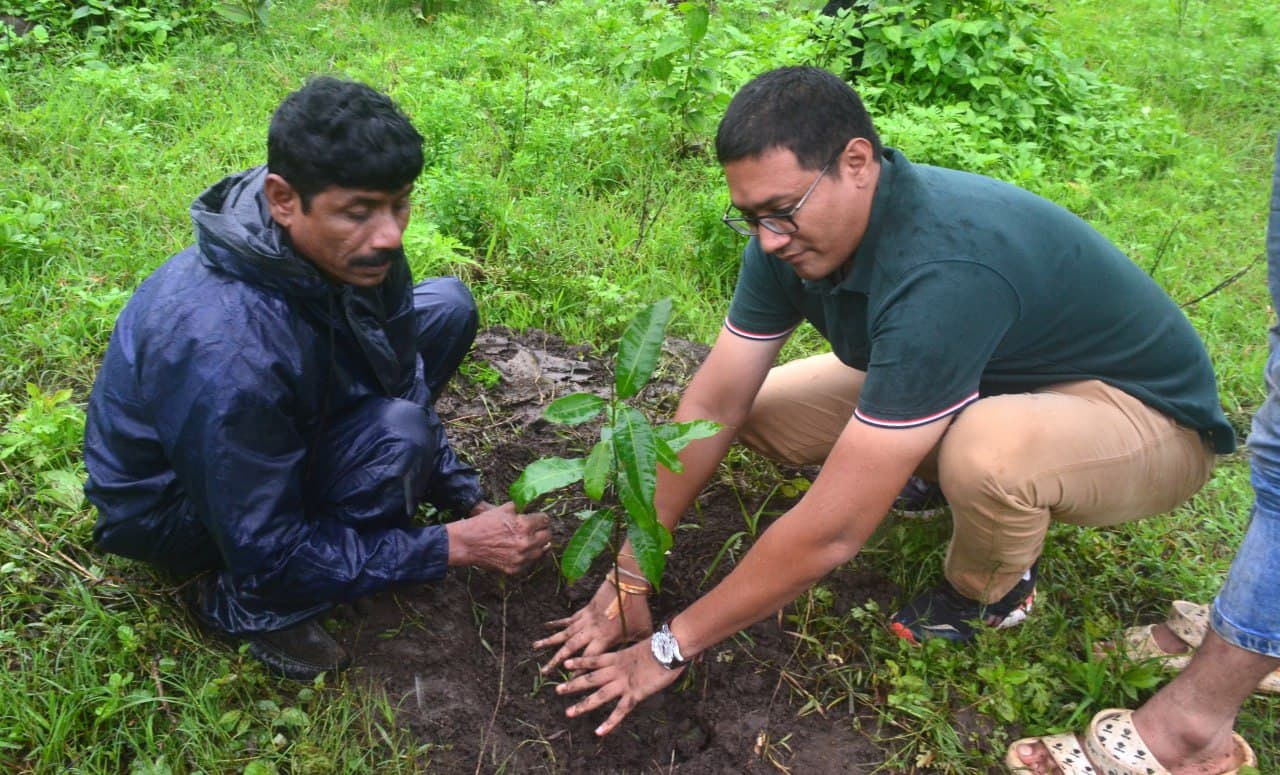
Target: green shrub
x,y
125,26
996,75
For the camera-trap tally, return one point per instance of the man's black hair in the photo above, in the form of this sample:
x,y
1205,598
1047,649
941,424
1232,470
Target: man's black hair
x,y
805,110
342,133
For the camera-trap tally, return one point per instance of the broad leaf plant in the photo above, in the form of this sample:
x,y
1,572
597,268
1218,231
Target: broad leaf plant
x,y
622,466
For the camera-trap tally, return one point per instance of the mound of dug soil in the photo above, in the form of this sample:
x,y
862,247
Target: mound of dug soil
x,y
456,657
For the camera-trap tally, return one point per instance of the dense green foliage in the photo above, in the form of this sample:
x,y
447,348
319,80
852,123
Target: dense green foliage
x,y
123,27
569,181
992,71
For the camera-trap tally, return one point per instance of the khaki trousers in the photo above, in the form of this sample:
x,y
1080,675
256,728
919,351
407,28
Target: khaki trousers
x,y
1084,453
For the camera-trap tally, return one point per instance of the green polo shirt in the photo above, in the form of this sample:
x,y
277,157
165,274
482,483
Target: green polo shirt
x,y
964,286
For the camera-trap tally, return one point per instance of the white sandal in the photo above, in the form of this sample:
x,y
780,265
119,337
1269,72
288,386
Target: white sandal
x,y
1114,744
1114,747
1188,622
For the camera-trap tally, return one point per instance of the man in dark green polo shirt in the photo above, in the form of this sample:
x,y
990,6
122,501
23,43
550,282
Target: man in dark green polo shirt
x,y
982,338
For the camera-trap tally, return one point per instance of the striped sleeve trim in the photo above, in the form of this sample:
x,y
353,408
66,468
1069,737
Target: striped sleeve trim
x,y
919,420
756,336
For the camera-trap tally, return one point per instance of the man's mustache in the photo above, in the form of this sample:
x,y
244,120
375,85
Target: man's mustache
x,y
377,259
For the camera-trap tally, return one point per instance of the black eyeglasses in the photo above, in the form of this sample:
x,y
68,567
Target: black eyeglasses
x,y
778,223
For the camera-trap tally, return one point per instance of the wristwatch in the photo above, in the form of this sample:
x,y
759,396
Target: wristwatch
x,y
666,649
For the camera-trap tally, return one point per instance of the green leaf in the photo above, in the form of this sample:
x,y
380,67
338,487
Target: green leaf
x,y
65,488
695,21
588,541
599,465
637,461
640,347
667,46
649,542
230,720
661,68
673,437
677,435
574,408
667,456
233,13
291,717
543,476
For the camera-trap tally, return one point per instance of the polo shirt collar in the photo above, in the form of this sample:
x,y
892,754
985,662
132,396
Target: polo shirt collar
x,y
859,279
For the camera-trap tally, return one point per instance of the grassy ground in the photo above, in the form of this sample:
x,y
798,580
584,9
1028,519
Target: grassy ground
x,y
568,183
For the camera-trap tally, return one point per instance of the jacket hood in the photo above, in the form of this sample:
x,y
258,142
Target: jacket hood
x,y
237,236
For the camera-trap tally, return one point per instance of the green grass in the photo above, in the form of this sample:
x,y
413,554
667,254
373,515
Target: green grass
x,y
567,190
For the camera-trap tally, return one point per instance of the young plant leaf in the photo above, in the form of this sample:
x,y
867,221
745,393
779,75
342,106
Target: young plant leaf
x,y
599,465
640,347
673,437
543,476
574,408
637,461
666,455
588,541
650,542
677,435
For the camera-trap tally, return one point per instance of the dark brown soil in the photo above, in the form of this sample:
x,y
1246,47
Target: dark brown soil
x,y
455,657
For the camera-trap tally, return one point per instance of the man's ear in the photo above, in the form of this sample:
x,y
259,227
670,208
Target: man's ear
x,y
858,160
282,200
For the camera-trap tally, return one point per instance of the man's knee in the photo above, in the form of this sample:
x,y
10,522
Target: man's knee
x,y
445,304
765,436
404,424
373,467
981,455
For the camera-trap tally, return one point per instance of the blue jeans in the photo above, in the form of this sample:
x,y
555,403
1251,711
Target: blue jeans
x,y
1247,610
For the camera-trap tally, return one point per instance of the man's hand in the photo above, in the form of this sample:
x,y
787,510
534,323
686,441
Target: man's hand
x,y
628,676
497,538
598,626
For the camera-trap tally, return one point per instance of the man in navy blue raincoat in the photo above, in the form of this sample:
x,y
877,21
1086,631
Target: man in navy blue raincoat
x,y
263,418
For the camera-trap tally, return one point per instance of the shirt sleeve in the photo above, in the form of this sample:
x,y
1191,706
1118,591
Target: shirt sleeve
x,y
931,340
764,304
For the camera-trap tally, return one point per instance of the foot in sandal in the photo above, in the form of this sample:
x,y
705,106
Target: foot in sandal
x,y
1185,728
1113,746
1174,640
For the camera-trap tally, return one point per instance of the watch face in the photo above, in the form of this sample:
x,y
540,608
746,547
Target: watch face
x,y
665,648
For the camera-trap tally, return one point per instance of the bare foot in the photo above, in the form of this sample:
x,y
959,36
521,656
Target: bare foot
x,y
1037,759
1167,641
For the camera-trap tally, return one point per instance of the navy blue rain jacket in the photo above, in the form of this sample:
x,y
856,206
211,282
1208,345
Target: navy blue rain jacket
x,y
223,368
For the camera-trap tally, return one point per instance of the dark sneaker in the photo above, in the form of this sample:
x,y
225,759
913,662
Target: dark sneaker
x,y
920,499
300,652
942,612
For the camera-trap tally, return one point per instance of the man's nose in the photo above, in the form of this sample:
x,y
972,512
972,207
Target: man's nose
x,y
770,242
388,232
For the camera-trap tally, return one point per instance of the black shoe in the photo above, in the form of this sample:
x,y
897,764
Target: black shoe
x,y
920,499
942,612
300,652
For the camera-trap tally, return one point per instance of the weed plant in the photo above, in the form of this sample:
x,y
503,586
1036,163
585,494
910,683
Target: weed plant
x,y
569,179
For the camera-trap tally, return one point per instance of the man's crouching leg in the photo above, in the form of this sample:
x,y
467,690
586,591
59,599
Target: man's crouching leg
x,y
445,324
367,472
1083,453
801,410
